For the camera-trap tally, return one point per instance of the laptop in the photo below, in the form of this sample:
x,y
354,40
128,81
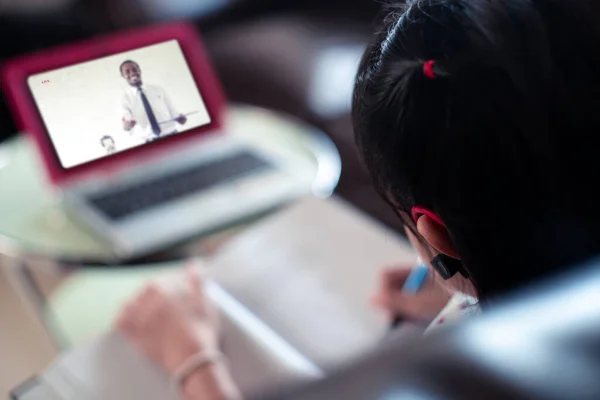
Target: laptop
x,y
130,130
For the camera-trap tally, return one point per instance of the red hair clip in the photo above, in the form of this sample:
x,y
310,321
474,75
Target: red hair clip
x,y
428,69
418,211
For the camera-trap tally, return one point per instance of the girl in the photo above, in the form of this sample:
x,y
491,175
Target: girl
x,y
476,119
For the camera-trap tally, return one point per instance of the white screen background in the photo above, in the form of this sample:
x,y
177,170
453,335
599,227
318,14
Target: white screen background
x,y
80,104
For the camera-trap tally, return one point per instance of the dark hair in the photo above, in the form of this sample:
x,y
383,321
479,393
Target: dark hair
x,y
105,137
128,62
500,143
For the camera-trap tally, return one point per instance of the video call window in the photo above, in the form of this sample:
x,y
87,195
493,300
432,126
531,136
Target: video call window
x,y
100,107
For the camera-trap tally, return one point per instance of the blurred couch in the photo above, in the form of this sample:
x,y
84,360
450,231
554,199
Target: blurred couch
x,y
296,57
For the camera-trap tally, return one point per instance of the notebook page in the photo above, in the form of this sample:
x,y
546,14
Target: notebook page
x,y
308,273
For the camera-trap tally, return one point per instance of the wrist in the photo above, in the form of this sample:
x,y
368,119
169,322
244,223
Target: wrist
x,y
204,375
178,356
205,382
199,342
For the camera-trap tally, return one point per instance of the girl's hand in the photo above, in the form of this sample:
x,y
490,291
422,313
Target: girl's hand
x,y
424,305
170,327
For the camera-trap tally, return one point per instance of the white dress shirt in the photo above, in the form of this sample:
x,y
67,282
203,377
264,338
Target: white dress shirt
x,y
132,108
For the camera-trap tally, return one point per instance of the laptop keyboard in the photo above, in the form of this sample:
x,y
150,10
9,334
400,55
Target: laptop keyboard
x,y
125,201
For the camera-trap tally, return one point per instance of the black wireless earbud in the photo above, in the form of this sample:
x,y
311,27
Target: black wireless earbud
x,y
447,266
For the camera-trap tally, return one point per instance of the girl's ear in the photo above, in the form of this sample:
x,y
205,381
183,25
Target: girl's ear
x,y
436,235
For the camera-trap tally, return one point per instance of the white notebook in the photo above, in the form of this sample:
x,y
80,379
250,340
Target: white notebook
x,y
309,273
294,294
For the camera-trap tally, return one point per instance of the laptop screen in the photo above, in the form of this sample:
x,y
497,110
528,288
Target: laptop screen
x,y
104,106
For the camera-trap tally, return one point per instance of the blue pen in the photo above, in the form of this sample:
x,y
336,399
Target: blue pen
x,y
412,285
415,279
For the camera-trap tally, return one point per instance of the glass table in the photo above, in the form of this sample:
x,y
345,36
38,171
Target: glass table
x,y
37,237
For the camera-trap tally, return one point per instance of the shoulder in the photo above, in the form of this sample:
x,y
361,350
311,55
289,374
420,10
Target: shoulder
x,y
127,94
459,307
154,89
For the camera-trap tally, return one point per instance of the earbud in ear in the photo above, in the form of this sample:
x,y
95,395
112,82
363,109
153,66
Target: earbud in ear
x,y
447,266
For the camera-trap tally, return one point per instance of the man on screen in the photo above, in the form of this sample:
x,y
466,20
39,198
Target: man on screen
x,y
146,109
